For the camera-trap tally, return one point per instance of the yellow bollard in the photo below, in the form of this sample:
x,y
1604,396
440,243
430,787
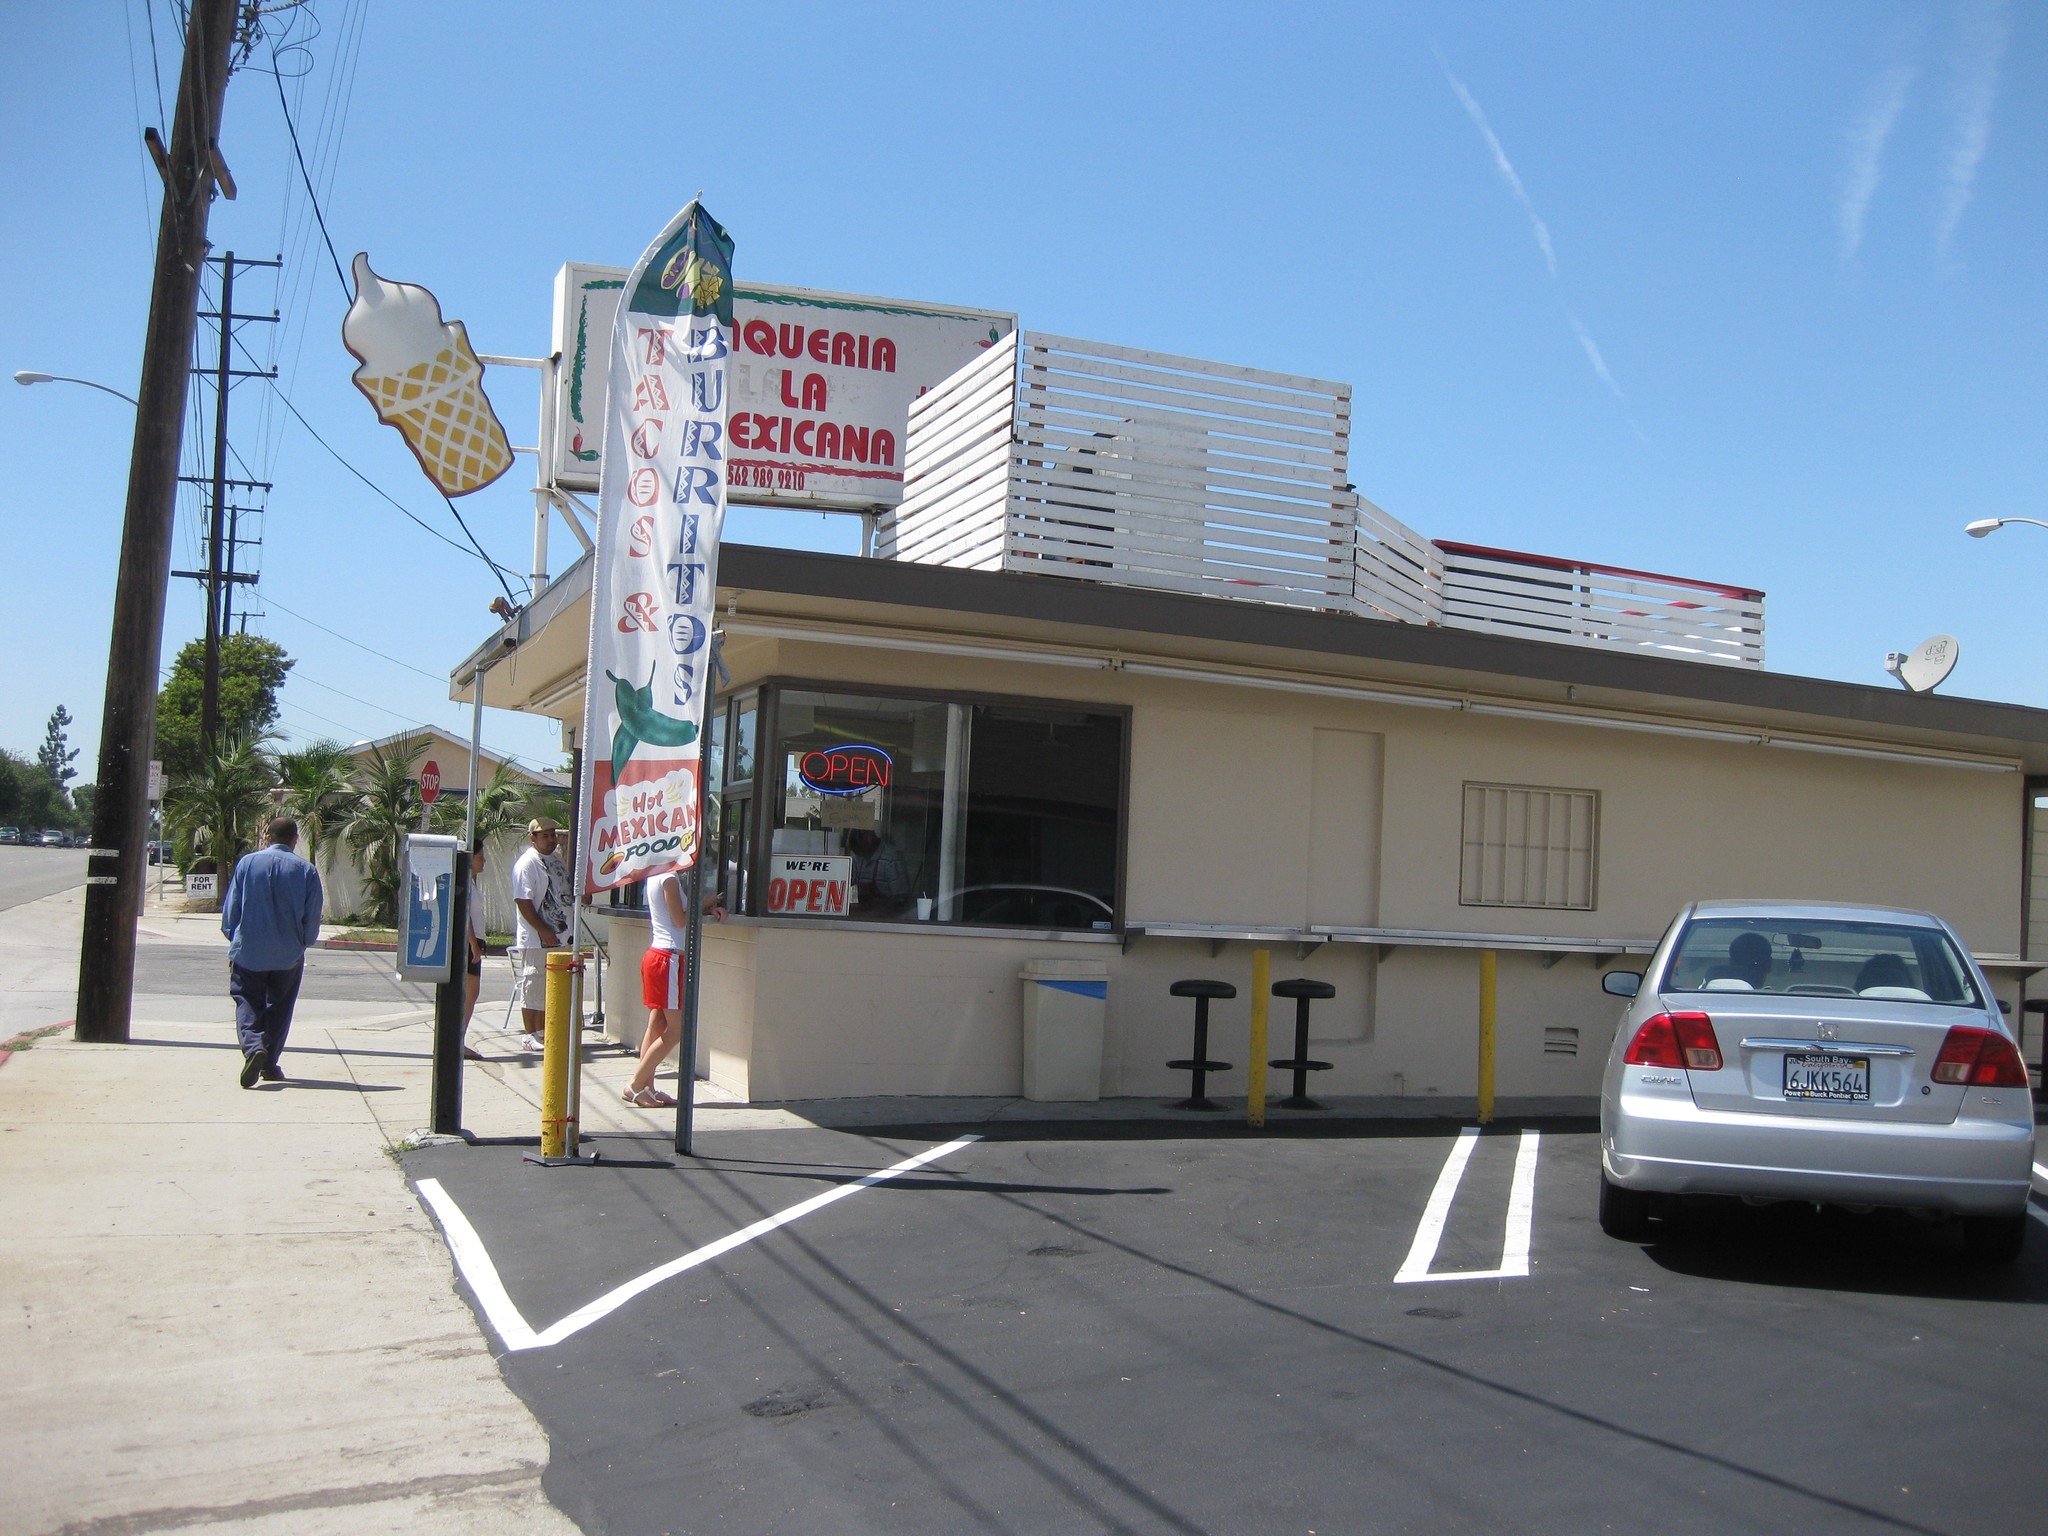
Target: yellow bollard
x,y
1262,991
557,1118
1488,1001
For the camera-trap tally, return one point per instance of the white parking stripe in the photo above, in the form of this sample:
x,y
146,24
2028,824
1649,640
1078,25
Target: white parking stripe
x,y
474,1260
475,1263
1422,1252
1514,1259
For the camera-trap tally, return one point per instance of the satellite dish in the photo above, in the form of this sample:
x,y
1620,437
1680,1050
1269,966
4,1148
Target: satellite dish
x,y
1929,664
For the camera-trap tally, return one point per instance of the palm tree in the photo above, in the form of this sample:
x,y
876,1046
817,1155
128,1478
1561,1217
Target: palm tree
x,y
319,791
503,801
228,800
386,810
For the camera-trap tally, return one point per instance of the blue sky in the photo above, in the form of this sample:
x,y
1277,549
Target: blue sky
x,y
1745,292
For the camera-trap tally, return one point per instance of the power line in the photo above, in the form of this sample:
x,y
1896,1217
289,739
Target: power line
x,y
155,70
423,672
306,176
384,709
474,547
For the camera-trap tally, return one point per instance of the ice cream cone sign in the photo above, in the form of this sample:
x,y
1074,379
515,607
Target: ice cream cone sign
x,y
423,377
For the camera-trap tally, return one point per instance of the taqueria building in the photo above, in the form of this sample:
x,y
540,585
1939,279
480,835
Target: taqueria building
x,y
1134,683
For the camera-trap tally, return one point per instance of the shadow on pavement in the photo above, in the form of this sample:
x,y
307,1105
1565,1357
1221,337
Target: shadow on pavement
x,y
1885,1253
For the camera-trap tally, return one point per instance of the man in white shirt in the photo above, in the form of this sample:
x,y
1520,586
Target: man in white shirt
x,y
540,889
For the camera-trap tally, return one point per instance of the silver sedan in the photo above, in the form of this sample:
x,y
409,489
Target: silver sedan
x,y
1810,1051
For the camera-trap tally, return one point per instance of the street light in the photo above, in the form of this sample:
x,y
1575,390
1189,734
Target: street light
x,y
1986,526
30,376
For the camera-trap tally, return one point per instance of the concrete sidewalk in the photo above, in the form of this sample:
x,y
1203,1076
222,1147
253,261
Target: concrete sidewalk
x,y
225,1309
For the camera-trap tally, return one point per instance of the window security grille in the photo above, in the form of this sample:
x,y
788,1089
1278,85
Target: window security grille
x,y
1528,846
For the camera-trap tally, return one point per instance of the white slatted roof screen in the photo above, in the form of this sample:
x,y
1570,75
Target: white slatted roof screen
x,y
1143,469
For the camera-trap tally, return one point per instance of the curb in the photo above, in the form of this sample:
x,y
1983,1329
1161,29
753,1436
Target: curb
x,y
13,1043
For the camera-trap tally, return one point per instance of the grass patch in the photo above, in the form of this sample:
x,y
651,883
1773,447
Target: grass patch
x,y
28,1038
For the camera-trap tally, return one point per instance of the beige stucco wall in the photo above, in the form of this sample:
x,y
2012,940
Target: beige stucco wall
x,y
1269,809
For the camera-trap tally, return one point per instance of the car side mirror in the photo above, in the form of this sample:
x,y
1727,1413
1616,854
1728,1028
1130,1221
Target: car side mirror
x,y
1622,983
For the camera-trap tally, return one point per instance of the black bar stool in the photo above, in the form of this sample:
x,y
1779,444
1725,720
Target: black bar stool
x,y
1301,989
1200,1065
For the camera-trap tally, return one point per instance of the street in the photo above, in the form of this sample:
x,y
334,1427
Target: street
x,y
29,874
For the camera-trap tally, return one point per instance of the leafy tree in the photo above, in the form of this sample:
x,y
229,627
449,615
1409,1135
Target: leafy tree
x,y
82,799
54,756
227,800
503,801
28,795
252,670
386,809
319,791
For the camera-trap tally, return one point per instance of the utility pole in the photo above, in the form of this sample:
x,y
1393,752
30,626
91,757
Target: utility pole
x,y
220,544
120,824
209,692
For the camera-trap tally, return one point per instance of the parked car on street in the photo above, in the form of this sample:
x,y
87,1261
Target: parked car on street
x,y
160,852
1818,1052
10,837
54,837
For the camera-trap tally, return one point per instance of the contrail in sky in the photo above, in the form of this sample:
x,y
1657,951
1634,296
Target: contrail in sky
x,y
1592,350
1501,163
1978,55
1868,135
1508,174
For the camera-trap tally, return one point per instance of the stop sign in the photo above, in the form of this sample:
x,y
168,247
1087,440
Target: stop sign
x,y
430,782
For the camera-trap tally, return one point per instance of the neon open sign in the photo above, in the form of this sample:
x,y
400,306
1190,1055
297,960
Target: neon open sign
x,y
844,770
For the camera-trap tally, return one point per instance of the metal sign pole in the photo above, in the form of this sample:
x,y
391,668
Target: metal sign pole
x,y
686,1097
448,998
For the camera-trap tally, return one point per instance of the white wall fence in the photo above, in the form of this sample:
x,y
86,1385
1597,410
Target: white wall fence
x,y
346,892
1103,463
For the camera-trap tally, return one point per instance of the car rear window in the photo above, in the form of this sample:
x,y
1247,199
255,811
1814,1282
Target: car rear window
x,y
1837,958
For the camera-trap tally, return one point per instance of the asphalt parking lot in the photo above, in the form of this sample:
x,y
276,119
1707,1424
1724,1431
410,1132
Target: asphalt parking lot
x,y
1161,1327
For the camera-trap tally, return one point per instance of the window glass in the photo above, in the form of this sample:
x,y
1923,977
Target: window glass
x,y
902,810
734,825
1040,843
862,784
743,742
714,749
1895,961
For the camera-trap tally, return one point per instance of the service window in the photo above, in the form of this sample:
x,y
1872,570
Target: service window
x,y
903,808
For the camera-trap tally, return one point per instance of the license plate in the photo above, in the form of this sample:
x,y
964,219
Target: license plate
x,y
1843,1078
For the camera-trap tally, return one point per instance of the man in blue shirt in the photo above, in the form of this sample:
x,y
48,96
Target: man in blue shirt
x,y
272,912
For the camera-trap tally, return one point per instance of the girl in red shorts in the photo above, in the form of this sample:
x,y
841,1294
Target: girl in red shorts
x,y
662,974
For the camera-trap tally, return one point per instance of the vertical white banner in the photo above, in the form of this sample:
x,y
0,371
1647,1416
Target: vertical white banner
x,y
661,509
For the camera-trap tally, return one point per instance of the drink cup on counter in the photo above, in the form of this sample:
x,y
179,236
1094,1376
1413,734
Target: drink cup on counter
x,y
924,909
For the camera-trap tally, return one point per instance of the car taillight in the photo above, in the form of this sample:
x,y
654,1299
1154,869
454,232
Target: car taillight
x,y
1983,1058
1675,1040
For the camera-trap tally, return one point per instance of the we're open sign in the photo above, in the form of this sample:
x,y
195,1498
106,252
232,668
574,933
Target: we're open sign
x,y
809,887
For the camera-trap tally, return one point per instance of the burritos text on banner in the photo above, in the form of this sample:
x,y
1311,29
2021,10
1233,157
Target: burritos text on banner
x,y
661,507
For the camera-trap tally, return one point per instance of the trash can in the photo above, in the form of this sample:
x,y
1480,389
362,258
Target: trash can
x,y
1064,1001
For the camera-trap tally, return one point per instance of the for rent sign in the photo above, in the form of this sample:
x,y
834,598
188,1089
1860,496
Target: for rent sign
x,y
821,385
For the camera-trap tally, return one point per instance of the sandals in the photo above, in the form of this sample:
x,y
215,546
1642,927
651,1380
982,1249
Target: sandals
x,y
648,1098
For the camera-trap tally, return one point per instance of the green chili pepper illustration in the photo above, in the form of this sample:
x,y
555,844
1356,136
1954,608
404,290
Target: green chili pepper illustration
x,y
640,721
